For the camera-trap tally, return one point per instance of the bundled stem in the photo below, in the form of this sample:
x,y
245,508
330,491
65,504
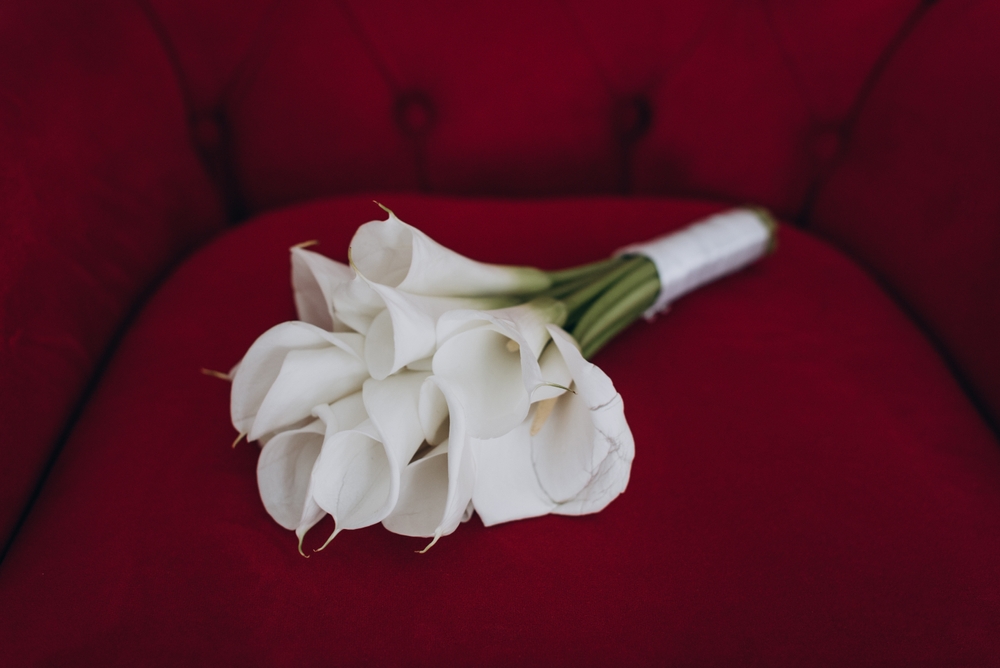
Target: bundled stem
x,y
604,298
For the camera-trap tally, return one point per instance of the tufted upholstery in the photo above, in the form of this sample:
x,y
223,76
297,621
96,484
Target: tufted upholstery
x,y
132,132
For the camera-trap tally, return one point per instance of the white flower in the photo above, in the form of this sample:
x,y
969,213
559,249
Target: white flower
x,y
420,385
436,490
356,477
285,466
290,369
284,470
490,358
397,255
315,279
400,328
572,456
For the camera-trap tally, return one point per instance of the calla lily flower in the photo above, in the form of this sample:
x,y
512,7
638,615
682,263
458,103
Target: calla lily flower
x,y
399,327
491,360
392,253
288,370
315,279
572,456
284,469
436,490
421,386
356,477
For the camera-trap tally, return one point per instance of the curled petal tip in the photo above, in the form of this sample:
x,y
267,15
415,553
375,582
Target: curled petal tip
x,y
305,244
217,374
300,546
332,536
437,536
239,438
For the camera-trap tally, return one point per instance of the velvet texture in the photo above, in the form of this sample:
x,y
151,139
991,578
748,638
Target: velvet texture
x,y
811,486
917,196
101,192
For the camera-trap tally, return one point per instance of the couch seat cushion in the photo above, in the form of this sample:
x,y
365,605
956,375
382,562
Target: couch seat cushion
x,y
810,485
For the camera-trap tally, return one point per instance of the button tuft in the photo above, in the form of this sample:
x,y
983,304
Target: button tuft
x,y
414,113
633,116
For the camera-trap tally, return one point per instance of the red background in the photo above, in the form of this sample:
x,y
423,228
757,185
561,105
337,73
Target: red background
x,y
816,478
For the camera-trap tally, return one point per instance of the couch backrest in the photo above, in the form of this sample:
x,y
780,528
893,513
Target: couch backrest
x,y
101,192
915,197
132,129
740,101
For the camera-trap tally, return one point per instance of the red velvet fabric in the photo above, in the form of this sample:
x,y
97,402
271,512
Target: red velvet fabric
x,y
917,197
743,101
100,192
129,126
810,487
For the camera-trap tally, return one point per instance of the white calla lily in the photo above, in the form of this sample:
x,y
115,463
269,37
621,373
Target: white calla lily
x,y
288,370
397,255
436,490
400,327
357,475
491,358
315,279
421,386
284,473
572,456
285,466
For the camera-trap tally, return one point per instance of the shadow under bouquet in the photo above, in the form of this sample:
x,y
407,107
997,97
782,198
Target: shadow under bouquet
x,y
419,386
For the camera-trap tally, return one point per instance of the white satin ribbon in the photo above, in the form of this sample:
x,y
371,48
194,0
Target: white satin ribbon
x,y
707,250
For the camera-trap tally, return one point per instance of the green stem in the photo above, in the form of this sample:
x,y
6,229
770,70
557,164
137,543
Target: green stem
x,y
590,290
618,299
585,270
594,345
563,289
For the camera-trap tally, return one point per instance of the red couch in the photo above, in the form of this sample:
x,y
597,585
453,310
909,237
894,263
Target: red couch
x,y
817,479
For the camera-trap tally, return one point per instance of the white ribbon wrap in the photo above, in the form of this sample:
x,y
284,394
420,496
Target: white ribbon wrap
x,y
707,250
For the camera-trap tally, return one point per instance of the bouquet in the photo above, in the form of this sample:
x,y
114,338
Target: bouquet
x,y
419,386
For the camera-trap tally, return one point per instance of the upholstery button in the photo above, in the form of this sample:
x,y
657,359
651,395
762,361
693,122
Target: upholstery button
x,y
414,113
633,117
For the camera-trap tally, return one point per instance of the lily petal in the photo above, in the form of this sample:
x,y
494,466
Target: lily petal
x,y
357,477
256,373
507,486
555,375
422,509
346,413
393,406
284,471
351,477
307,378
575,462
398,255
422,496
405,331
583,470
315,279
356,304
402,333
491,357
433,410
